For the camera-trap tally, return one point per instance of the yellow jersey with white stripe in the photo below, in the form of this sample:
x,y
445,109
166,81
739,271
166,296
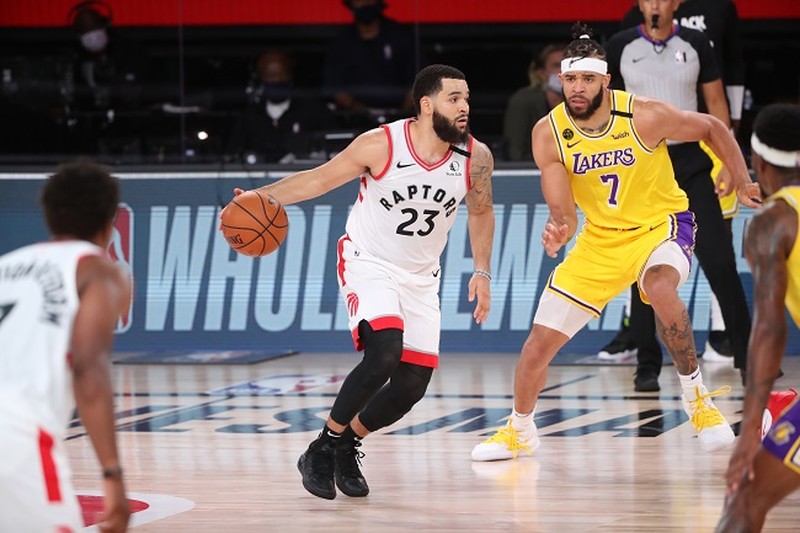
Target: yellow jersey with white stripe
x,y
791,195
617,181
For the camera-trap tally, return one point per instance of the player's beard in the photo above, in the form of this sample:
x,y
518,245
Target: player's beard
x,y
447,130
594,105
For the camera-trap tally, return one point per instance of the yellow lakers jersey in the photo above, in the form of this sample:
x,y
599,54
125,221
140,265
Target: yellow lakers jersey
x,y
792,197
617,181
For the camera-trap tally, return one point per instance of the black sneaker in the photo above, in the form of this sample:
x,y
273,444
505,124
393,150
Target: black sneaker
x,y
621,346
316,466
646,381
349,478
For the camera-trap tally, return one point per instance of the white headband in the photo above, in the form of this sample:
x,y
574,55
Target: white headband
x,y
590,64
779,158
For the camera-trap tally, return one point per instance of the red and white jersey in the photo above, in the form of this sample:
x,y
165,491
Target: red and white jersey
x,y
38,304
403,214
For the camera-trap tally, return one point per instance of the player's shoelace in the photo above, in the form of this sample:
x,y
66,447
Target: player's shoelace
x,y
508,436
703,414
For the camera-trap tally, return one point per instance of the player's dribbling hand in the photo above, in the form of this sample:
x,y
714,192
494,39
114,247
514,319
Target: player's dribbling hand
x,y
554,237
236,192
479,286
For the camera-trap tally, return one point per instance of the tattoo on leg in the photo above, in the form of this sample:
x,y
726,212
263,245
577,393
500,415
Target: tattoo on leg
x,y
679,341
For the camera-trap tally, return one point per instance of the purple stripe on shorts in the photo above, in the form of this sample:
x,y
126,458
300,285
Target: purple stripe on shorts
x,y
684,233
781,441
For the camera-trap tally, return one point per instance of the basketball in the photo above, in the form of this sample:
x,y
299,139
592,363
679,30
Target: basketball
x,y
254,223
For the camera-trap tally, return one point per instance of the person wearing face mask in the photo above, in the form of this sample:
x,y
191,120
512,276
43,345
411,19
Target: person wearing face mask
x,y
107,75
529,104
278,121
370,65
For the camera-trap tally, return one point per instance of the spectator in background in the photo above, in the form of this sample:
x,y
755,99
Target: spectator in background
x,y
719,20
106,76
278,124
370,66
529,104
661,59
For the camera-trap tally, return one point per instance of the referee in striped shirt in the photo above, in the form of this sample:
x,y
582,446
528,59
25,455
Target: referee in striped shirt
x,y
663,60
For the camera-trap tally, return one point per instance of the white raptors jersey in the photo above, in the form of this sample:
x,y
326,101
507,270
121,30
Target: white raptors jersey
x,y
38,303
403,214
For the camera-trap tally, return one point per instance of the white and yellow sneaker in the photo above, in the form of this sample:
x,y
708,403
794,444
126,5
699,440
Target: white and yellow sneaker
x,y
713,431
506,443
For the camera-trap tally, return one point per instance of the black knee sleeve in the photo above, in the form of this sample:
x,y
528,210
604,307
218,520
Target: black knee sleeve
x,y
382,352
406,387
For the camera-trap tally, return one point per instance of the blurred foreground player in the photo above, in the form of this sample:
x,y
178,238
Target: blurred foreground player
x,y
59,304
761,474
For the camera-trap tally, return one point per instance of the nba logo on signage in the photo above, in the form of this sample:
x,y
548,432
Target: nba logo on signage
x,y
121,250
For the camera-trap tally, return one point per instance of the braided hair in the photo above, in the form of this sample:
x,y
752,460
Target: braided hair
x,y
583,45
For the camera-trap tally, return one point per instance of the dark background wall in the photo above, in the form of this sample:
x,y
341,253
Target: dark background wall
x,y
199,53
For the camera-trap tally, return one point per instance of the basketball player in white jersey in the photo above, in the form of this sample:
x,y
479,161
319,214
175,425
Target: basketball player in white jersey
x,y
59,304
414,174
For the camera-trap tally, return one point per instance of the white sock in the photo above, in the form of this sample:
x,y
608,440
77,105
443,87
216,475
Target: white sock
x,y
522,422
717,322
688,383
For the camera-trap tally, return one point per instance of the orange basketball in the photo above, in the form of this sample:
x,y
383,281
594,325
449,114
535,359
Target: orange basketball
x,y
254,223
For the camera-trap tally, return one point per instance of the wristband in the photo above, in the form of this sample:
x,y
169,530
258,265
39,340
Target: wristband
x,y
113,472
483,273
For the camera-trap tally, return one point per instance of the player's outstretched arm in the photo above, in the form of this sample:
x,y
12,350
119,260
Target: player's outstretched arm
x,y
563,222
480,222
368,152
770,237
656,121
104,292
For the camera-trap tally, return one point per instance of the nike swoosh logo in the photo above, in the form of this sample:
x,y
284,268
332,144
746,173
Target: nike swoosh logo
x,y
571,145
636,60
436,273
404,166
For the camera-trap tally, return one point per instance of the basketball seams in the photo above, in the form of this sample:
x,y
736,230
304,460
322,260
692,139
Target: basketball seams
x,y
273,223
254,217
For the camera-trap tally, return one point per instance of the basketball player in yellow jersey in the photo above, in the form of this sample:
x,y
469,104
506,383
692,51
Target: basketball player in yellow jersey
x,y
761,474
605,151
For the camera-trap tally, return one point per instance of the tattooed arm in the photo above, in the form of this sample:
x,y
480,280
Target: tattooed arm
x,y
770,237
480,221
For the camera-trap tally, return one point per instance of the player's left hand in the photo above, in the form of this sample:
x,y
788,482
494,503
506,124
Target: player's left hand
x,y
750,195
479,287
740,466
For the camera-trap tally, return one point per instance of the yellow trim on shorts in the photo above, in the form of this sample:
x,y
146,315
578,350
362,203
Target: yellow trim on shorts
x,y
787,459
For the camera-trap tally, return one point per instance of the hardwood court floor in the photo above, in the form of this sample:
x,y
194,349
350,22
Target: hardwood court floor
x,y
611,460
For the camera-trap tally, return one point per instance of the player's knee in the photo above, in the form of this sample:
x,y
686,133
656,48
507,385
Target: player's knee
x,y
662,287
382,349
410,385
417,382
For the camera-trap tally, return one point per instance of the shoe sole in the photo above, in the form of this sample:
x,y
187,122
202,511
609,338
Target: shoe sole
x,y
534,445
313,490
647,389
351,494
618,356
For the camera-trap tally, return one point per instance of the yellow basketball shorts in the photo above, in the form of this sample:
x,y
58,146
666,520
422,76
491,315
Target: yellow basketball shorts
x,y
605,262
